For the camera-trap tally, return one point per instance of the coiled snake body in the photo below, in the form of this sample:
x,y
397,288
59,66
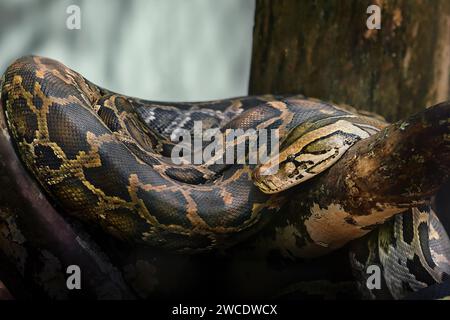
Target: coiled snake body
x,y
105,157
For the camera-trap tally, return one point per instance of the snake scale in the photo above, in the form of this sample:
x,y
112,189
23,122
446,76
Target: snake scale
x,y
105,158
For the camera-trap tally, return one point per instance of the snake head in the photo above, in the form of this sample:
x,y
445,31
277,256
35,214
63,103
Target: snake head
x,y
306,153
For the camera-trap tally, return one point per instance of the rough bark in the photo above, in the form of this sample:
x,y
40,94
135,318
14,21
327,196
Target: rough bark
x,y
324,49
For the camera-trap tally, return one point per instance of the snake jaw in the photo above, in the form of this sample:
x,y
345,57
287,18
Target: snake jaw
x,y
284,177
264,184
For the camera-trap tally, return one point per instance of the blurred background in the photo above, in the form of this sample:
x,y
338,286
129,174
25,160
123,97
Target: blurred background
x,y
155,49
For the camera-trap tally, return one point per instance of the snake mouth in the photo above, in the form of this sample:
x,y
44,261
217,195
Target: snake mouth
x,y
272,183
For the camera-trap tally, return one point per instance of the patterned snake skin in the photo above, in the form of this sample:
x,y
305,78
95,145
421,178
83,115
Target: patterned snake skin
x,y
412,249
105,158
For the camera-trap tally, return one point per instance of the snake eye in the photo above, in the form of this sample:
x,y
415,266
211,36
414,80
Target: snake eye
x,y
291,158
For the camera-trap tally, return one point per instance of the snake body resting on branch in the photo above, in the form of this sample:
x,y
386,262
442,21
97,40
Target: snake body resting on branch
x,y
105,158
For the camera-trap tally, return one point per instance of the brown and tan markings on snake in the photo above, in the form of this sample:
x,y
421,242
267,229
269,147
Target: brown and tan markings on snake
x,y
105,157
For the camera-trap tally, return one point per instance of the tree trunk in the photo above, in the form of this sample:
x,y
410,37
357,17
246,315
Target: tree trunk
x,y
323,49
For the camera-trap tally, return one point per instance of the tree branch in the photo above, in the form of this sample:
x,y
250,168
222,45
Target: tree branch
x,y
400,167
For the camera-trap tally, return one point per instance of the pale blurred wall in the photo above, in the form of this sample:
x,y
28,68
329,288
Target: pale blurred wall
x,y
154,49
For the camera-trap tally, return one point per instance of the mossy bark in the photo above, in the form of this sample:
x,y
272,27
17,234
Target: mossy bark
x,y
323,49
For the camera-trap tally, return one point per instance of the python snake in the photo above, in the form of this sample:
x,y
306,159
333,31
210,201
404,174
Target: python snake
x,y
106,159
